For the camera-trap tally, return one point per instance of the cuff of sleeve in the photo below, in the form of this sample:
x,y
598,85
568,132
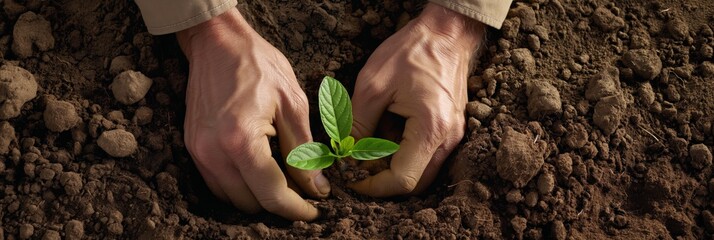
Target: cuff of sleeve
x,y
169,16
489,12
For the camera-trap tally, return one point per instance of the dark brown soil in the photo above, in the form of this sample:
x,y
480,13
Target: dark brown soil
x,y
588,120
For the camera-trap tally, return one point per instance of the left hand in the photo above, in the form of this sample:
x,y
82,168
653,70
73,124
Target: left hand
x,y
420,74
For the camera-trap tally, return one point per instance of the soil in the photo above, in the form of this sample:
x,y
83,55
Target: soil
x,y
587,120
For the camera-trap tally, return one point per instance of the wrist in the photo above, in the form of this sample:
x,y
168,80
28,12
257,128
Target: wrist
x,y
229,26
464,31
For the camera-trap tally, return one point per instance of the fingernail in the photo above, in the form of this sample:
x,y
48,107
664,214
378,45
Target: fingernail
x,y
322,184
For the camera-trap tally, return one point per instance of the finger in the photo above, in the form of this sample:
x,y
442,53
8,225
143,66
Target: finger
x,y
235,188
369,101
212,183
267,182
293,125
443,152
419,142
225,181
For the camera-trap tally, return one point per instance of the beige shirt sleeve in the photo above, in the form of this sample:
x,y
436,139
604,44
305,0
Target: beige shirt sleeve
x,y
489,12
169,16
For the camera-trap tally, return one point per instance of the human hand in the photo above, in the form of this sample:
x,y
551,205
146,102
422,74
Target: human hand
x,y
241,90
420,74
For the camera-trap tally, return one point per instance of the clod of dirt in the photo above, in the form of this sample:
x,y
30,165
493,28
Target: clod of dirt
x,y
543,99
130,87
114,225
559,232
605,83
645,63
672,94
678,28
167,184
510,26
473,123
261,229
531,199
606,20
514,196
426,216
17,86
646,94
116,116
60,116
7,135
639,38
546,183
542,33
31,30
701,156
143,116
479,110
120,64
74,230
26,231
523,59
72,183
564,164
51,235
533,42
576,137
706,51
371,17
707,68
608,113
519,157
526,15
482,191
117,143
519,224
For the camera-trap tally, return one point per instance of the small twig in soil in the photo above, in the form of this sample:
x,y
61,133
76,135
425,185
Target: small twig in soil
x,y
648,132
680,78
63,61
460,182
536,139
666,10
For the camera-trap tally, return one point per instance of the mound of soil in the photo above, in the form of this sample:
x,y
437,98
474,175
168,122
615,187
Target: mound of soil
x,y
587,120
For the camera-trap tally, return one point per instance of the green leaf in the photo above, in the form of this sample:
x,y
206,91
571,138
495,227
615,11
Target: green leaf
x,y
348,143
373,148
310,156
335,148
335,109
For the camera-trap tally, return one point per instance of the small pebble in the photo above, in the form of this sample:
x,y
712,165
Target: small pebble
x,y
117,143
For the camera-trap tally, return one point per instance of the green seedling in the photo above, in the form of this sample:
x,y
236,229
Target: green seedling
x,y
336,115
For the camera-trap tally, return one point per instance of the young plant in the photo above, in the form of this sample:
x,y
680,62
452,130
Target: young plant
x,y
336,115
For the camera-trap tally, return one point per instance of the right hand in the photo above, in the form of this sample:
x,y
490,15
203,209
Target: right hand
x,y
241,90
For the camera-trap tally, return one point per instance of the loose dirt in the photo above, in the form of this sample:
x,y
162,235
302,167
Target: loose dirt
x,y
587,119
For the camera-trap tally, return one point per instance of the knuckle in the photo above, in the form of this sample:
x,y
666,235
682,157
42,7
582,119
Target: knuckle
x,y
358,128
198,146
406,183
273,203
437,124
232,142
367,91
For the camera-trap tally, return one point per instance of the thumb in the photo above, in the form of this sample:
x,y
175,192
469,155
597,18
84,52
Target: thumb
x,y
293,127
